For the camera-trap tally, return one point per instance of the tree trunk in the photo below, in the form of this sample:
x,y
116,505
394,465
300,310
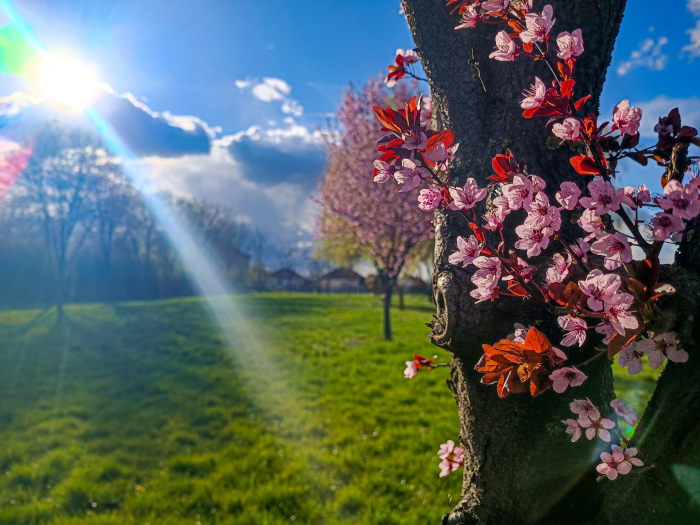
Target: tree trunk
x,y
520,466
386,300
402,304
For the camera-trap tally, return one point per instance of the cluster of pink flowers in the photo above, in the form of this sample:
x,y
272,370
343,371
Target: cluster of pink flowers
x,y
452,458
589,418
657,350
619,462
584,297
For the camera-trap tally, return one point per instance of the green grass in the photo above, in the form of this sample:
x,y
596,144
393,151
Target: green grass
x,y
139,414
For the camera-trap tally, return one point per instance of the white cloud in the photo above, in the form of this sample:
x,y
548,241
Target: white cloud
x,y
272,89
693,49
242,84
266,175
649,54
292,107
694,7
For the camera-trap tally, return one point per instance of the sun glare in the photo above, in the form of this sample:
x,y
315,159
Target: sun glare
x,y
67,81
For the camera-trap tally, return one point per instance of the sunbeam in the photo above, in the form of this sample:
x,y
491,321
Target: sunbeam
x,y
68,82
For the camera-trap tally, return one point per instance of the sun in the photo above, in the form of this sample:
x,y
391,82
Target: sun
x,y
67,81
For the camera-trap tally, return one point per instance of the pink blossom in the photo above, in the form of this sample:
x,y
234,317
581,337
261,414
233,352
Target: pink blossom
x,y
538,26
643,195
488,274
429,199
470,17
568,195
603,197
555,216
411,175
682,201
482,294
538,183
519,193
452,458
384,171
573,429
623,411
520,333
408,56
627,196
535,95
533,240
616,309
619,462
467,197
631,358
569,129
467,251
494,6
446,449
495,217
576,327
415,140
597,426
591,223
627,118
662,129
606,329
411,370
600,288
566,377
614,247
584,408
505,48
630,452
558,271
570,45
661,347
664,225
539,212
579,248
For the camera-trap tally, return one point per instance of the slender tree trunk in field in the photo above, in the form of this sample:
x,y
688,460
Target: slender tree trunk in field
x,y
386,300
402,304
520,466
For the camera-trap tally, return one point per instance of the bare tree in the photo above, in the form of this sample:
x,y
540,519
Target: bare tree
x,y
59,187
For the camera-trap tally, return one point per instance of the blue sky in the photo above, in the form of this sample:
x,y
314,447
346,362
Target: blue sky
x,y
202,65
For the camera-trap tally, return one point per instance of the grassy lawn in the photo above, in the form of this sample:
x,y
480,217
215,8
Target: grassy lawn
x,y
139,413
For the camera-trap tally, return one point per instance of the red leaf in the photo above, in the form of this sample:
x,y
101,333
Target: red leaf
x,y
580,102
639,157
585,165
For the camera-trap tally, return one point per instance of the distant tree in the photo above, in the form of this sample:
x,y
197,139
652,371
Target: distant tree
x,y
59,185
218,226
113,202
380,226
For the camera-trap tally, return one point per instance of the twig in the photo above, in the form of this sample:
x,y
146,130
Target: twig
x,y
475,64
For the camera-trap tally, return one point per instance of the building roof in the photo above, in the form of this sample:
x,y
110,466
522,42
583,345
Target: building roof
x,y
286,273
414,281
342,273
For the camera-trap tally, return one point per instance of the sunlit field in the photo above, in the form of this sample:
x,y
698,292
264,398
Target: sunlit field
x,y
136,413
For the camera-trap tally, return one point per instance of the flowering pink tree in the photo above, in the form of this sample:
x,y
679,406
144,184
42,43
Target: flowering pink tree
x,y
381,225
547,244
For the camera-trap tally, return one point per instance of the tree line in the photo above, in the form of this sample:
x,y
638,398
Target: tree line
x,y
74,228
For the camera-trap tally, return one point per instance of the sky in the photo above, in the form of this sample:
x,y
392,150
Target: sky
x,y
222,98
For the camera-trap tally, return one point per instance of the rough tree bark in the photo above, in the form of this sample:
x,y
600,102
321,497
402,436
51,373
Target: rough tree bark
x,y
520,467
